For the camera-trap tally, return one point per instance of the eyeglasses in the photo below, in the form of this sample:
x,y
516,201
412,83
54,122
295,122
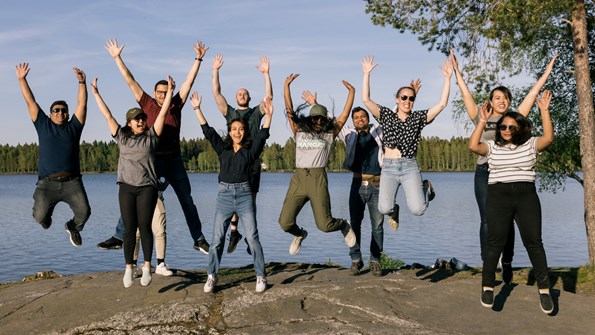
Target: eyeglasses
x,y
60,110
511,127
405,97
160,92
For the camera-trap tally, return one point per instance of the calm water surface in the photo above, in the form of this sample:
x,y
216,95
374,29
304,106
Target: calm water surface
x,y
450,227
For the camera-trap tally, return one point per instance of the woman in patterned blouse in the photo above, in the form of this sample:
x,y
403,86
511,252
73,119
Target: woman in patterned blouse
x,y
401,135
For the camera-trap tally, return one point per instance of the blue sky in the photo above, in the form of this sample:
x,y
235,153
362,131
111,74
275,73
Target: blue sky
x,y
321,40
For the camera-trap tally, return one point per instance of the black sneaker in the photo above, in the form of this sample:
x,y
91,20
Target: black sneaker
x,y
75,237
355,267
546,303
202,246
429,189
507,273
234,238
375,268
393,218
487,297
109,244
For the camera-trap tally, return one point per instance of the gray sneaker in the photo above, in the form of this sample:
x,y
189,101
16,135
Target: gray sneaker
x,y
356,266
375,268
296,244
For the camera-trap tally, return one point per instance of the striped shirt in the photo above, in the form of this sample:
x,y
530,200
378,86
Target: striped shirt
x,y
511,163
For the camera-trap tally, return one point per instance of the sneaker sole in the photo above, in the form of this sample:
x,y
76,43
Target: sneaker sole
x,y
71,241
109,248
393,224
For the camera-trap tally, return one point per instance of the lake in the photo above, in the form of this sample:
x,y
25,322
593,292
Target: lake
x,y
450,227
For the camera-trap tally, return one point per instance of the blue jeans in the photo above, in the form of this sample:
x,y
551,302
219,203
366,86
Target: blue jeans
x,y
359,196
48,193
172,169
481,194
235,198
397,172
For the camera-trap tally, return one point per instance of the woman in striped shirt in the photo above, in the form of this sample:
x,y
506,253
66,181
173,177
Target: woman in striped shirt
x,y
511,192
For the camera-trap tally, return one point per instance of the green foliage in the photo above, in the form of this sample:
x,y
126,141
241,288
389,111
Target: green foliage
x,y
386,262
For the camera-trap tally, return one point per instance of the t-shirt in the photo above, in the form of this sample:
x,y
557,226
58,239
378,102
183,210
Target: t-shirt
x,y
58,145
169,141
511,163
489,133
136,165
312,149
402,135
252,116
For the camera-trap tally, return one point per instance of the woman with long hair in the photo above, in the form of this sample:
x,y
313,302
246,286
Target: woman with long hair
x,y
314,136
137,179
237,153
511,192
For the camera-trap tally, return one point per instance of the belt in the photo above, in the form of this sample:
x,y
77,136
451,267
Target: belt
x,y
61,179
374,181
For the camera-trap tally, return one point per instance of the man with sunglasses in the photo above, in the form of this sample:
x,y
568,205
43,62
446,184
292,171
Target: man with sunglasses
x,y
253,117
59,175
168,159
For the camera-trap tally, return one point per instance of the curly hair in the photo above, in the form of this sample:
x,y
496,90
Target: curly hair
x,y
519,136
246,140
305,124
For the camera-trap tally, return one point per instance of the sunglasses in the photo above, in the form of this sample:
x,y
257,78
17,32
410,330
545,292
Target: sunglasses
x,y
511,127
405,97
60,110
140,117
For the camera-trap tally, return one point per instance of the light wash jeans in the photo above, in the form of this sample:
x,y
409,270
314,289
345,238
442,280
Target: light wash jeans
x,y
397,172
235,198
359,197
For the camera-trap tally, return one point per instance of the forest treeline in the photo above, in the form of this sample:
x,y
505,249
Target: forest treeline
x,y
434,154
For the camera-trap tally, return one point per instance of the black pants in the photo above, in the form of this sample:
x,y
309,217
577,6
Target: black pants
x,y
506,201
137,205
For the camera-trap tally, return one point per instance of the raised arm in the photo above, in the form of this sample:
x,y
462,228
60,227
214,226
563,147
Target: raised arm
x,y
346,109
81,107
219,98
547,138
267,108
264,68
367,66
115,51
474,141
160,121
416,85
289,103
468,100
195,100
200,51
439,107
525,106
107,114
22,72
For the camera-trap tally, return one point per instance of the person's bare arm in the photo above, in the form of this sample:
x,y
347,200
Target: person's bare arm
x,y
107,114
115,51
525,106
547,138
346,109
81,107
289,103
200,51
474,144
264,68
160,121
439,107
219,98
367,66
22,70
468,100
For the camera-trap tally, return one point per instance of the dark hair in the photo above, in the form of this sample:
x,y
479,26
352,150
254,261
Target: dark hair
x,y
519,136
59,102
246,140
405,88
161,82
502,89
359,109
304,122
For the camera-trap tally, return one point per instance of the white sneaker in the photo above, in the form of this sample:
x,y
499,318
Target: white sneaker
x,y
261,284
163,269
146,278
296,244
127,277
210,284
348,234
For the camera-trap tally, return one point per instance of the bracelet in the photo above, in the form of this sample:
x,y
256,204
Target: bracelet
x,y
198,58
195,108
82,82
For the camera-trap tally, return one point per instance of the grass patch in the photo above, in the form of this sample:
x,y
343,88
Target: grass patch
x,y
387,262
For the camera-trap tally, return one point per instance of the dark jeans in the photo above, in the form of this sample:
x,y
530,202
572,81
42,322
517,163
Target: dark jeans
x,y
481,193
49,193
519,201
137,205
359,197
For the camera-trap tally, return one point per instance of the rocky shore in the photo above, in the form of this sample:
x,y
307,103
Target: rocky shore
x,y
300,299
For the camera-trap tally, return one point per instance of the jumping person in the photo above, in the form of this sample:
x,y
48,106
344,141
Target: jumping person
x,y
59,173
237,153
314,135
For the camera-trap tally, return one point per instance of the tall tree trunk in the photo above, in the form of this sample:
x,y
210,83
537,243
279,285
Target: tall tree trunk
x,y
586,118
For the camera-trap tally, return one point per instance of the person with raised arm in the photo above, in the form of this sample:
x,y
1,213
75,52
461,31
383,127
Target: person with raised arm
x,y
137,176
237,153
500,99
59,173
314,135
253,117
511,192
